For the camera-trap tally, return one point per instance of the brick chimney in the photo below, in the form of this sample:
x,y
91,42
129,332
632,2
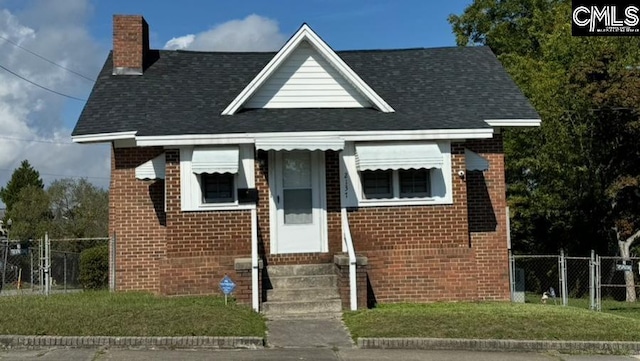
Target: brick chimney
x,y
130,44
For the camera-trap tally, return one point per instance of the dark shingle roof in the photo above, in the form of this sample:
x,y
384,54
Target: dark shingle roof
x,y
185,92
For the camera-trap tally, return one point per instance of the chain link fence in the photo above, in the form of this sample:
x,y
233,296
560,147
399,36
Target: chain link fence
x,y
555,279
585,282
42,266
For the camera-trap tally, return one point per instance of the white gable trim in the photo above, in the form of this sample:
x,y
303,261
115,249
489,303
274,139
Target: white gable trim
x,y
513,122
305,33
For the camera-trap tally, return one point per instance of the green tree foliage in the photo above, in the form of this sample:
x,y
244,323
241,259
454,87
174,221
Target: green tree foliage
x,y
79,209
30,213
22,177
94,268
573,182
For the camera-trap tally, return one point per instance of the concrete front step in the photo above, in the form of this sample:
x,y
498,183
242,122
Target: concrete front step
x,y
318,281
279,308
302,294
301,270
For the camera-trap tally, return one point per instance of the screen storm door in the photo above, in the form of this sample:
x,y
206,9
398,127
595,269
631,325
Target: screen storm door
x,y
298,202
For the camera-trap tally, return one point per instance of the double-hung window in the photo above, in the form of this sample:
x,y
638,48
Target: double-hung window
x,y
212,175
398,171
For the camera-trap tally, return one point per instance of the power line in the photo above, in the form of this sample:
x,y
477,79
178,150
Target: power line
x,y
47,60
61,175
41,86
37,141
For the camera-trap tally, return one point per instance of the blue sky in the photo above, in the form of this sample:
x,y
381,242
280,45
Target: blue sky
x,y
36,124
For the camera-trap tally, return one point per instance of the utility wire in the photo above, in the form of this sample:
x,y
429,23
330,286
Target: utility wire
x,y
61,175
47,60
36,140
41,86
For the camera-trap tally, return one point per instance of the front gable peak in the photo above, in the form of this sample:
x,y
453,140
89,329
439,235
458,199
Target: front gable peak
x,y
307,73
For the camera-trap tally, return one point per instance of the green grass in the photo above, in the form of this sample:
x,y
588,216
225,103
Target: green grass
x,y
126,314
493,321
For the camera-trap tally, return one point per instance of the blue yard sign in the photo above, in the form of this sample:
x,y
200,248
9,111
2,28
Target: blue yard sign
x,y
227,286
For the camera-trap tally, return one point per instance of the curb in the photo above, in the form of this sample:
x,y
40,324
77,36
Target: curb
x,y
16,341
600,347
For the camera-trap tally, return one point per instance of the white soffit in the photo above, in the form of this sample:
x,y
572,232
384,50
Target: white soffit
x,y
152,169
398,155
300,144
215,160
306,34
474,161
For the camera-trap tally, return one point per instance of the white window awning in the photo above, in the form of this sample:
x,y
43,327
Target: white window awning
x,y
152,169
215,160
316,143
474,161
398,155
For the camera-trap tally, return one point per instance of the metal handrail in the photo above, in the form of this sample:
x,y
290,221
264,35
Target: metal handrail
x,y
348,242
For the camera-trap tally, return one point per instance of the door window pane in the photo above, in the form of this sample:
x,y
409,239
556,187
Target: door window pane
x,y
296,170
297,206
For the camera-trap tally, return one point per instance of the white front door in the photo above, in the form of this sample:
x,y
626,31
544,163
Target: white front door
x,y
298,215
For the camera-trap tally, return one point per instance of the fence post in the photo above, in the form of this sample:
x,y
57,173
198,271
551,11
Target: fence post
x,y
41,264
562,276
511,276
112,265
47,264
65,271
592,285
598,284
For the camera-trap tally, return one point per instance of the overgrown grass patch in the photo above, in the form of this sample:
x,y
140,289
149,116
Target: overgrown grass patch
x,y
126,314
491,321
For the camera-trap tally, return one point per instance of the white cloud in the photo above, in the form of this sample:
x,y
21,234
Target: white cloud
x,y
36,124
253,33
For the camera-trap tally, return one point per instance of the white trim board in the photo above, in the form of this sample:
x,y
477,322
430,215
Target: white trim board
x,y
514,122
306,34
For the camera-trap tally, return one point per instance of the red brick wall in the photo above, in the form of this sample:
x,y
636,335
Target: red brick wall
x,y
174,252
130,41
415,253
201,246
487,212
136,217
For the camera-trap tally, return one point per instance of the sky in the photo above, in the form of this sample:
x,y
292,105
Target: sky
x,y
61,45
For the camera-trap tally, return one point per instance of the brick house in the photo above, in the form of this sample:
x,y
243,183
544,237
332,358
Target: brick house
x,y
385,166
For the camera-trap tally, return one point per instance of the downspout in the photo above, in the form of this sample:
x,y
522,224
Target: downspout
x,y
255,300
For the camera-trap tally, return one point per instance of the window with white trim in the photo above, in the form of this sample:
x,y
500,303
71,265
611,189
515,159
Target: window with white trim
x,y
210,176
390,184
396,173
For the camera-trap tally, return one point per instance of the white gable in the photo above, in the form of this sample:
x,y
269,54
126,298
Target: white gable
x,y
307,80
307,73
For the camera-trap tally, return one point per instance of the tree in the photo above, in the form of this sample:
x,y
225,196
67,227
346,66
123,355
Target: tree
x,y
30,214
22,177
572,183
79,209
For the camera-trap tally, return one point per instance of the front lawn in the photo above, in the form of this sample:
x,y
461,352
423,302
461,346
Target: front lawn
x,y
126,314
492,321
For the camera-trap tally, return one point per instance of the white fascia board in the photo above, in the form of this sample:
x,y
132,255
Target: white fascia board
x,y
103,137
514,122
305,33
247,138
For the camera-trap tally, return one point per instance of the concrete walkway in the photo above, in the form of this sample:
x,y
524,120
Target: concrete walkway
x,y
308,333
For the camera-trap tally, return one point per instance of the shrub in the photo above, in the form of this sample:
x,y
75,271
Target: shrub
x,y
94,267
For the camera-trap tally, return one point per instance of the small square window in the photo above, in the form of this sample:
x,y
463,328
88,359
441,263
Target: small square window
x,y
377,183
414,183
218,188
